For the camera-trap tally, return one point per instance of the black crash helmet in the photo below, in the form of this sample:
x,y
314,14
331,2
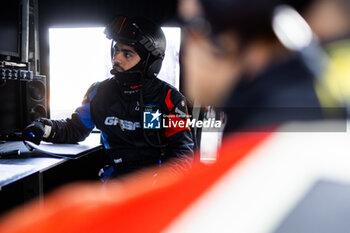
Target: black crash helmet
x,y
143,35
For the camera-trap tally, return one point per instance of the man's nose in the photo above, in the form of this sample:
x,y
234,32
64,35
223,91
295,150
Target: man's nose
x,y
117,58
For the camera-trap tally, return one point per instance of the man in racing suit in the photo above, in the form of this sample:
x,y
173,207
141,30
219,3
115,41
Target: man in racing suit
x,y
124,106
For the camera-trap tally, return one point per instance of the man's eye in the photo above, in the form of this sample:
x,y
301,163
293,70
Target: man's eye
x,y
127,55
116,51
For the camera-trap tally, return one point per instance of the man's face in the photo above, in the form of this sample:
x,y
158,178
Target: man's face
x,y
125,57
211,72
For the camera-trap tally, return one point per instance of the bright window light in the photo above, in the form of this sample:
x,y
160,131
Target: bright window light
x,y
81,56
170,71
78,58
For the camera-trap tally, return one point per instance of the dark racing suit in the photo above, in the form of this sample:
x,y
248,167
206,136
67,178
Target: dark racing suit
x,y
115,109
282,93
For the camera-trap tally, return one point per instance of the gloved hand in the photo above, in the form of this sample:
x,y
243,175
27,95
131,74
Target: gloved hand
x,y
35,132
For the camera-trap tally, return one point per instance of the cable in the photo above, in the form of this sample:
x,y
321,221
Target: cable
x,y
160,145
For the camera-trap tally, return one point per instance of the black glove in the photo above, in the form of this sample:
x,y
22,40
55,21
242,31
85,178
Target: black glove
x,y
35,131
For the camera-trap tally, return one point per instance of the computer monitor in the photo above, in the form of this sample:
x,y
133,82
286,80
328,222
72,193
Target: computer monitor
x,y
10,31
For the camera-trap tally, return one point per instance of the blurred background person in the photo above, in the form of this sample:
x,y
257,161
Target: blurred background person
x,y
330,21
232,58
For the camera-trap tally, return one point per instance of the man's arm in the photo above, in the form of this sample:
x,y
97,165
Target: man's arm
x,y
179,152
70,130
79,126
